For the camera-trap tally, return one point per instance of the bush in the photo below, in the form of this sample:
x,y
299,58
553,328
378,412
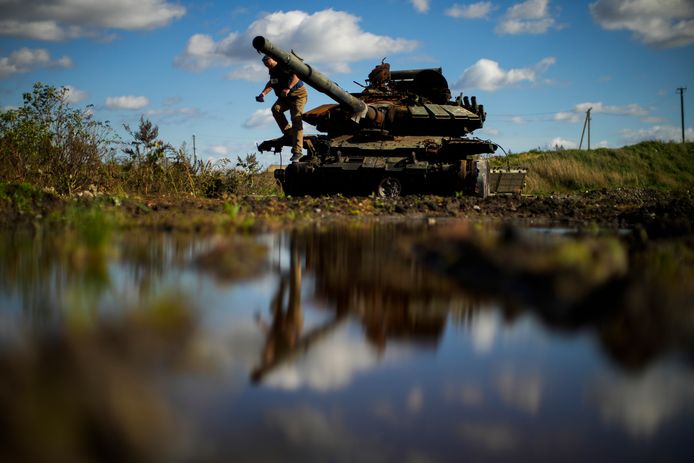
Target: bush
x,y
48,144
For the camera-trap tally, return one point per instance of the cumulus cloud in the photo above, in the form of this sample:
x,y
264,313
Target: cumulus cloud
x,y
253,72
422,6
665,23
528,17
328,37
657,132
259,118
219,150
477,10
578,113
568,116
63,19
29,59
173,114
126,102
74,95
559,142
487,75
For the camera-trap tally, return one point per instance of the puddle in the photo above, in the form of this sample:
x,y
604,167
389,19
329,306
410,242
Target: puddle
x,y
331,344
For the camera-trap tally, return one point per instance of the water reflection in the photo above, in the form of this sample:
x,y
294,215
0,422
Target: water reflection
x,y
331,343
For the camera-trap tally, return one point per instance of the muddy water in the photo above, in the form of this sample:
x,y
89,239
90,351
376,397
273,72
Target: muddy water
x,y
333,344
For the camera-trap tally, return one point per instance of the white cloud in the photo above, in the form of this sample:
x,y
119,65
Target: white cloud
x,y
328,37
471,11
259,118
253,72
517,120
568,116
657,132
422,6
171,114
487,75
559,142
126,102
74,95
219,150
63,19
28,59
528,17
578,113
663,23
632,109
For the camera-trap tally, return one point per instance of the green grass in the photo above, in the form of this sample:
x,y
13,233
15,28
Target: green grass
x,y
649,165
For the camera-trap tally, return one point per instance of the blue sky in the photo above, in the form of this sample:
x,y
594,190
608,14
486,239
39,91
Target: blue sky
x,y
536,65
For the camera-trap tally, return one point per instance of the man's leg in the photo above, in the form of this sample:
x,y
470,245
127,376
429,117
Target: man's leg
x,y
296,111
278,110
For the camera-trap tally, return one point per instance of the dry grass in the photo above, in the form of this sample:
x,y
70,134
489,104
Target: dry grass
x,y
654,165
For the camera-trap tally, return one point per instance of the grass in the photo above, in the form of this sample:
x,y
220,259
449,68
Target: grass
x,y
649,165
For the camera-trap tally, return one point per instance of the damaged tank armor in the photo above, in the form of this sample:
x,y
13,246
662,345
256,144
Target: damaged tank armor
x,y
401,134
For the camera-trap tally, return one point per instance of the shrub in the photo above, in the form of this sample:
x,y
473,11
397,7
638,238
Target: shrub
x,y
49,144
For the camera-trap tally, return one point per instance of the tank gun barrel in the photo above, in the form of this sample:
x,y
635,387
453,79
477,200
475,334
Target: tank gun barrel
x,y
312,77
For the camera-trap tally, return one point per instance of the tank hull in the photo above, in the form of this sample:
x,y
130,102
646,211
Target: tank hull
x,y
405,165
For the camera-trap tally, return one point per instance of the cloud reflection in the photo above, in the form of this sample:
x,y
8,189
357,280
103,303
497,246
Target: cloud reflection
x,y
641,405
332,366
496,438
484,328
522,391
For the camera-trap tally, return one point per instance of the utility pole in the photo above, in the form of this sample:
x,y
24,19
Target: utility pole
x,y
194,156
681,91
586,122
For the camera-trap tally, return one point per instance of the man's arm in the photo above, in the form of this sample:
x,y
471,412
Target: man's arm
x,y
292,82
261,97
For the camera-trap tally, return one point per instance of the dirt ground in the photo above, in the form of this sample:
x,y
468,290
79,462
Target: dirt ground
x,y
660,214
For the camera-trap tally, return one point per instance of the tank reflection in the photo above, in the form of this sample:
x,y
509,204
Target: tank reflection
x,y
373,275
283,335
366,274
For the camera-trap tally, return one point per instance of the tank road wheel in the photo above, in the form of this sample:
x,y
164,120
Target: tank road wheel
x,y
389,187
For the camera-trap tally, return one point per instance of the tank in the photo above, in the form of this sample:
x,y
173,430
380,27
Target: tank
x,y
403,133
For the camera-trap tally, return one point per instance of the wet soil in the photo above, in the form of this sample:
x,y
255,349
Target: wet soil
x,y
660,214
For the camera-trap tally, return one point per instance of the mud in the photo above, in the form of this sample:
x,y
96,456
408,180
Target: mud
x,y
657,214
660,214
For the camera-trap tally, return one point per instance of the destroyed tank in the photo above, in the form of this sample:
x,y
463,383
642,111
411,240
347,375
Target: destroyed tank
x,y
401,134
